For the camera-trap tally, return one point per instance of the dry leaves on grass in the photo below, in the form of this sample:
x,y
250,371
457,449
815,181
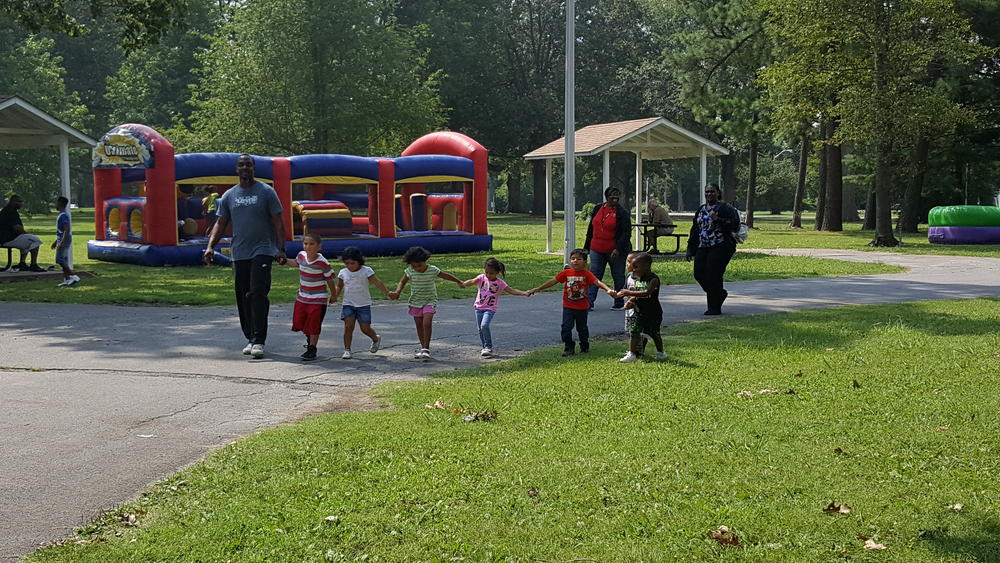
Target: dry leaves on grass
x,y
477,416
943,428
437,405
837,508
855,384
725,536
956,507
798,374
750,394
871,544
838,451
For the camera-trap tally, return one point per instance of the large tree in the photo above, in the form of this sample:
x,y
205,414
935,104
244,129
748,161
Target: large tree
x,y
859,62
287,77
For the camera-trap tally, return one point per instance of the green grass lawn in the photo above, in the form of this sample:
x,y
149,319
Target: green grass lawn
x,y
517,242
755,423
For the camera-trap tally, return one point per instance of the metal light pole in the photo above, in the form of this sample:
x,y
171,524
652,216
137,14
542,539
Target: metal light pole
x,y
569,201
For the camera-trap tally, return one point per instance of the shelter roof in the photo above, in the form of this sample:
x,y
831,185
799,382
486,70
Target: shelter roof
x,y
23,126
654,138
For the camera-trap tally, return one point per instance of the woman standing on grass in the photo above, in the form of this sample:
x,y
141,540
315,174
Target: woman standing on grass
x,y
608,241
711,244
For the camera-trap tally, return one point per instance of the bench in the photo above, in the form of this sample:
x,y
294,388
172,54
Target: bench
x,y
649,244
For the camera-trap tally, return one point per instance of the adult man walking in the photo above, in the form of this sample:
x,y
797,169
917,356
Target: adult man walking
x,y
253,209
12,235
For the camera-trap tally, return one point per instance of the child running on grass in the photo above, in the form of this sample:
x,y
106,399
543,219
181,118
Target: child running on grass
x,y
352,283
63,243
316,290
423,294
576,279
642,288
491,285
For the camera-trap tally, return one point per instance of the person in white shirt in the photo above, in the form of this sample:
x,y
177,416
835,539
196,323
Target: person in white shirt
x,y
352,284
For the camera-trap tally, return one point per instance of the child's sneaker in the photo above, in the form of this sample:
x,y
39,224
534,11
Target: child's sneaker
x,y
73,280
248,348
257,351
309,354
660,356
628,358
376,343
346,355
65,282
486,352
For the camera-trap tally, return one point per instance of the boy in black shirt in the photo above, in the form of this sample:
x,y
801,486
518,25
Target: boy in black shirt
x,y
642,288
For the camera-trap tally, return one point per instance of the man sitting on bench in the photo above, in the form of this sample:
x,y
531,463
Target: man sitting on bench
x,y
12,235
658,216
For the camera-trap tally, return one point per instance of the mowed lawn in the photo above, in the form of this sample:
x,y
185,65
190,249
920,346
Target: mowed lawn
x,y
755,423
518,239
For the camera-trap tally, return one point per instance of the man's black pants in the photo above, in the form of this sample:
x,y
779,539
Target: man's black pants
x,y
253,283
709,267
578,317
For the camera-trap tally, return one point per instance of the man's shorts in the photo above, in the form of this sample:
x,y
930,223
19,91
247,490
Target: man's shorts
x,y
421,311
308,317
62,256
637,326
24,242
363,314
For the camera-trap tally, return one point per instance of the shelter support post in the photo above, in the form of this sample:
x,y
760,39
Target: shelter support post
x,y
64,182
638,198
548,205
607,170
569,201
704,174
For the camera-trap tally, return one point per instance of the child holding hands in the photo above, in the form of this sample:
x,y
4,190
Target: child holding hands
x,y
352,283
423,294
316,291
576,279
643,314
491,285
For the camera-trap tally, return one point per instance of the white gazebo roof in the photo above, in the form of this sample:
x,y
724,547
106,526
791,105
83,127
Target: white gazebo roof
x,y
23,126
653,138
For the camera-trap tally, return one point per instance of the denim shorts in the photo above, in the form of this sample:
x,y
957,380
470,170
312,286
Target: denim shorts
x,y
62,256
363,314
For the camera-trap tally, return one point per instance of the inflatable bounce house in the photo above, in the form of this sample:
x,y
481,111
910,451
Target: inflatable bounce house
x,y
381,205
964,224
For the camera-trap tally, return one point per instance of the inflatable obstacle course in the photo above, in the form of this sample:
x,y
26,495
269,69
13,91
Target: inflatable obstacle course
x,y
964,224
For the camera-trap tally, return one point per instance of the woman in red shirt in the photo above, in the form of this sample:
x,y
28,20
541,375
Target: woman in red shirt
x,y
609,242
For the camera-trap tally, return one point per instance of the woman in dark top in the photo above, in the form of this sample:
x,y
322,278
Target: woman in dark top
x,y
712,244
608,240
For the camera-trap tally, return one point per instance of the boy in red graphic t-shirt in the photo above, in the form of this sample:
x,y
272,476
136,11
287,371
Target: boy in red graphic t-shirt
x,y
576,280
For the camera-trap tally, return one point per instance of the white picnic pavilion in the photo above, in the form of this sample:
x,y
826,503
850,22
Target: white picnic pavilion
x,y
652,138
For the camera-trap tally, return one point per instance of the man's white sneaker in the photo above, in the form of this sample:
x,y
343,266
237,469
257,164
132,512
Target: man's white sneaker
x,y
346,355
418,353
486,352
425,353
660,356
257,351
376,343
628,358
247,349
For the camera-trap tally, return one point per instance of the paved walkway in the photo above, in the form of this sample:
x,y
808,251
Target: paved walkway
x,y
97,402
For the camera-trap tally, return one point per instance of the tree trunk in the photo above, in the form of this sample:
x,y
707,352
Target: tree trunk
x,y
850,206
869,222
751,182
832,215
821,195
883,205
800,186
538,187
514,188
909,216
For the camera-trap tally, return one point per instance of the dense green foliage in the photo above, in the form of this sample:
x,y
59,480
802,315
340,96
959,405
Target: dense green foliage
x,y
878,408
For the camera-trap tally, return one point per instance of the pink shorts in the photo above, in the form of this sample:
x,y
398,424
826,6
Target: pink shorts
x,y
421,311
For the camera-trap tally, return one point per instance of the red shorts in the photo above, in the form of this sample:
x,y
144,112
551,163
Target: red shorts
x,y
308,317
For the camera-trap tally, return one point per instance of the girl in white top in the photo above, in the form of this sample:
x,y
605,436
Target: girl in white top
x,y
352,284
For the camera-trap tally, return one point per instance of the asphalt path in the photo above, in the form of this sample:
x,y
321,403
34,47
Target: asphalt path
x,y
98,402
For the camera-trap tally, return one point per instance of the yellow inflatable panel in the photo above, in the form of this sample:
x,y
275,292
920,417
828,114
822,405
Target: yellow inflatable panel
x,y
432,179
334,180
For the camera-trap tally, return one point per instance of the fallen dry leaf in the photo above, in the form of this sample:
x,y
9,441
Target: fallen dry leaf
x,y
871,544
791,392
942,428
768,392
333,519
533,492
745,394
837,508
798,374
956,507
838,451
481,416
725,537
437,405
856,385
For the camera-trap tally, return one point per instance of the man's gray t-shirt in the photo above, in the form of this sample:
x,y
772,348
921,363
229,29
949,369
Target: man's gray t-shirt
x,y
250,211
